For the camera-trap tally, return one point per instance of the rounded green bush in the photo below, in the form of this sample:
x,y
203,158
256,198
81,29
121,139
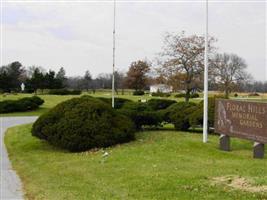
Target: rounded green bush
x,y
136,106
182,95
159,104
64,92
178,114
24,104
141,114
160,94
83,123
196,118
37,100
138,93
118,102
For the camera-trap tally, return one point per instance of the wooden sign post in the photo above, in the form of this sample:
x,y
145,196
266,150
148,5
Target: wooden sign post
x,y
246,120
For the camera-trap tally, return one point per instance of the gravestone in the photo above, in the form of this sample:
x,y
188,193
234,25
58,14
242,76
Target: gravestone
x,y
246,120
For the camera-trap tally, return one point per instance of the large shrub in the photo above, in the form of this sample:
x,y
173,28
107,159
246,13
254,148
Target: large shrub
x,y
138,93
24,104
142,115
159,104
84,123
178,114
36,100
136,106
196,118
118,102
64,92
182,95
160,94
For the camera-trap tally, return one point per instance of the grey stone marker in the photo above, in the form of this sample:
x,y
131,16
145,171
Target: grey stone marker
x,y
224,142
258,150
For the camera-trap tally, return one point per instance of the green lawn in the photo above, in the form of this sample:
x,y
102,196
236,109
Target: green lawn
x,y
53,100
158,165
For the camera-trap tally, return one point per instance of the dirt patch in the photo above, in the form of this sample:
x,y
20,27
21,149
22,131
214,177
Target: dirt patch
x,y
239,183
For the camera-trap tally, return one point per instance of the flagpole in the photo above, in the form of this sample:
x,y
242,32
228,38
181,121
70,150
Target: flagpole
x,y
113,65
205,113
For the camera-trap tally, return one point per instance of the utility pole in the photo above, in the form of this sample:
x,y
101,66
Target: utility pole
x,y
206,82
113,66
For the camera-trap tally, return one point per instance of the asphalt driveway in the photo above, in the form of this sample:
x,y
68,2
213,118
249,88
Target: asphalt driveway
x,y
11,187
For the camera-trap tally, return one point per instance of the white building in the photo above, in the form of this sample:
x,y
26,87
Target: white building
x,y
160,88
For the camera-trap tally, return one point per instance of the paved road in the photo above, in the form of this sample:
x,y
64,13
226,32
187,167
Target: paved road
x,y
11,187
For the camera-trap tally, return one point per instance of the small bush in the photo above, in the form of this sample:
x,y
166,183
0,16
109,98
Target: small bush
x,y
24,104
118,102
144,118
83,123
254,94
178,114
138,93
159,104
236,95
64,92
136,106
196,118
142,115
36,100
160,94
194,95
182,95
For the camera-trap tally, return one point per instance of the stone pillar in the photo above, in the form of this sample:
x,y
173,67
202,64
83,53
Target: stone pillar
x,y
258,150
224,142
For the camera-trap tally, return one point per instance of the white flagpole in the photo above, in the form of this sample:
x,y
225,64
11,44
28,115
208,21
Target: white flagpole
x,y
113,66
205,113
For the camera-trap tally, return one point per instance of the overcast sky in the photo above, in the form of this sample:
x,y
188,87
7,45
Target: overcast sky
x,y
78,36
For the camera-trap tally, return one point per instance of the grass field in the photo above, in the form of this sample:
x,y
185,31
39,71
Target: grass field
x,y
52,100
158,165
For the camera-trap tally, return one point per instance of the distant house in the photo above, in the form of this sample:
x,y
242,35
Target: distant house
x,y
160,88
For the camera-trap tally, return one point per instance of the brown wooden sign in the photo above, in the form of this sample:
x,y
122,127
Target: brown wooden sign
x,y
247,120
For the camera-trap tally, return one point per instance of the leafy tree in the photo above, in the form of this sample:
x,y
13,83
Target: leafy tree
x,y
61,78
4,80
184,56
50,80
136,77
36,81
11,76
15,70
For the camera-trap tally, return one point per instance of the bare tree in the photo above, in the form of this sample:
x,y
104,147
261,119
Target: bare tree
x,y
119,81
183,57
229,71
87,80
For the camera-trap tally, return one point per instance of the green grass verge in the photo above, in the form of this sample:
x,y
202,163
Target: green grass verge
x,y
158,165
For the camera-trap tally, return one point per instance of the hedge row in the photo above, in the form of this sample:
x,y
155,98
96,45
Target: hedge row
x,y
24,104
160,94
118,102
138,93
156,112
182,95
64,92
84,123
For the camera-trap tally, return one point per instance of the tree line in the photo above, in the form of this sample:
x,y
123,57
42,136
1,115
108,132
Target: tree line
x,y
180,64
